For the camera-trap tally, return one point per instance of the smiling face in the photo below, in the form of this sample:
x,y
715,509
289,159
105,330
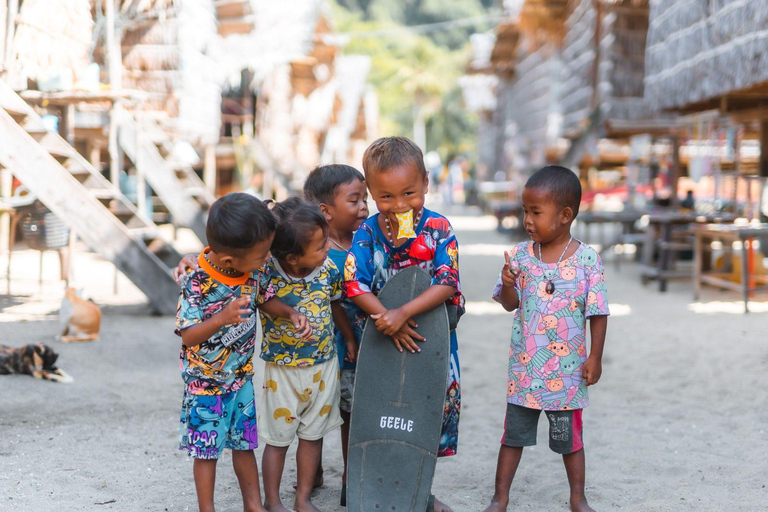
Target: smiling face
x,y
349,208
251,259
543,219
398,190
315,251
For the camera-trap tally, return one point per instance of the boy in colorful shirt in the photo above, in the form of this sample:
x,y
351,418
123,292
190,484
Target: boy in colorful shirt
x,y
339,190
405,234
552,297
217,325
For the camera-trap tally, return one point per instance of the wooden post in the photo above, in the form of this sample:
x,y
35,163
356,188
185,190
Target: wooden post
x,y
675,171
209,168
10,30
115,68
69,123
763,169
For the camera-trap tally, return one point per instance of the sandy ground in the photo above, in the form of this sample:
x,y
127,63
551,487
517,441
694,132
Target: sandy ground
x,y
678,421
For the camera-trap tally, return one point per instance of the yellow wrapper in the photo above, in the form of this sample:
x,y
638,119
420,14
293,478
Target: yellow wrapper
x,y
405,225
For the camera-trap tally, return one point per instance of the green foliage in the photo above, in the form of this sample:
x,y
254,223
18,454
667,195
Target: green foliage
x,y
411,69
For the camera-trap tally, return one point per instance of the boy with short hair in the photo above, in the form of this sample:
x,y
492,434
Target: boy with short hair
x,y
340,192
217,325
401,235
553,283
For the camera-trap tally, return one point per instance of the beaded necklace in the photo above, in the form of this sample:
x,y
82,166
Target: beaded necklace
x,y
219,269
550,284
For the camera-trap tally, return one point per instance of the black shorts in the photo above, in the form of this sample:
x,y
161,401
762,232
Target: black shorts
x,y
565,428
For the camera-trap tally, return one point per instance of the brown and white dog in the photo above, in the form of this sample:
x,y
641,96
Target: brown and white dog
x,y
80,319
37,360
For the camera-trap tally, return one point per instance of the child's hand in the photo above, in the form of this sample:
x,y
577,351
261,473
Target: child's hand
x,y
593,368
234,312
301,324
390,321
352,349
509,273
187,262
406,336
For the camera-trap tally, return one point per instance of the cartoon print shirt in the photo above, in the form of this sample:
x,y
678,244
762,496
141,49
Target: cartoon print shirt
x,y
548,350
223,363
373,260
311,296
356,315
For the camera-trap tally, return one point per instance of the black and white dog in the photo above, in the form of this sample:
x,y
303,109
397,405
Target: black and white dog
x,y
37,360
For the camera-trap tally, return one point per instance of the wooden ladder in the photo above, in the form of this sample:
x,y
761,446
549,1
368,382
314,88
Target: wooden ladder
x,y
86,202
179,197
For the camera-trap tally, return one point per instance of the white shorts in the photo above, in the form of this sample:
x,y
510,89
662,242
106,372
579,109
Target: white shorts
x,y
299,401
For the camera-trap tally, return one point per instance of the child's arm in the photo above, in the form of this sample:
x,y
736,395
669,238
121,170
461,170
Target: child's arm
x,y
391,321
341,321
593,367
187,262
231,314
508,297
274,307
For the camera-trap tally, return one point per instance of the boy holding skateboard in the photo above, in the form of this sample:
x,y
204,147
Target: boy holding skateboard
x,y
401,235
217,325
553,283
339,191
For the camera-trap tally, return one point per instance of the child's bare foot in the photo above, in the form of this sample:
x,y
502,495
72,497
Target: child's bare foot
x,y
580,505
319,480
497,506
441,507
304,506
277,507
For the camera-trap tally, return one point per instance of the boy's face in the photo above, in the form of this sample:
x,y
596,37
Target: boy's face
x,y
251,259
349,208
398,189
315,251
544,220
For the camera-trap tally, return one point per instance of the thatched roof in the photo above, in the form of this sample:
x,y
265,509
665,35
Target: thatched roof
x,y
699,50
283,33
53,37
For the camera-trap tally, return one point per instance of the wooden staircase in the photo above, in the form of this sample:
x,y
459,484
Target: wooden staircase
x,y
185,199
86,202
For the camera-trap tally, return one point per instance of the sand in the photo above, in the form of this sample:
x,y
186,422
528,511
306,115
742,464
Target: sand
x,y
677,422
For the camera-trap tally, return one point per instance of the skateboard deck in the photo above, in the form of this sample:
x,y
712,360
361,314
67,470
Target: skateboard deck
x,y
398,408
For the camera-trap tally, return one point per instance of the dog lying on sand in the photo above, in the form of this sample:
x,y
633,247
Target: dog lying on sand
x,y
37,360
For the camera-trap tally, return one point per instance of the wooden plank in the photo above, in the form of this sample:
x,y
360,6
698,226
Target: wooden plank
x,y
80,211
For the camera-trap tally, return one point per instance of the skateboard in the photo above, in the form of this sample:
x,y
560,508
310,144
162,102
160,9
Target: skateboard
x,y
398,409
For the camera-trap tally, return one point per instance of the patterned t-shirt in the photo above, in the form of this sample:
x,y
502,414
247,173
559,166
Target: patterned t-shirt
x,y
548,350
355,314
311,296
223,363
372,261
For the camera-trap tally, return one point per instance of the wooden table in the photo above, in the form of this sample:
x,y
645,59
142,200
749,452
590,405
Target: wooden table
x,y
625,218
659,236
729,233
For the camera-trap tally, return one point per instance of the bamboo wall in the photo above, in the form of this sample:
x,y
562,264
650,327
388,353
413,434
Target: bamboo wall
x,y
699,50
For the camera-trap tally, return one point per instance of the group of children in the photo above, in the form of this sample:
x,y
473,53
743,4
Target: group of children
x,y
314,267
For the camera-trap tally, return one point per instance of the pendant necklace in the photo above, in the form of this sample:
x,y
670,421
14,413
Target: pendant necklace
x,y
219,269
550,289
416,221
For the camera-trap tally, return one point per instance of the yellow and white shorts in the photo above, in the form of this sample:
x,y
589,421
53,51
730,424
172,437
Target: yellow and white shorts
x,y
301,401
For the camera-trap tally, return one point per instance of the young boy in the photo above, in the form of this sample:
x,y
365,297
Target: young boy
x,y
553,283
401,235
217,325
340,192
